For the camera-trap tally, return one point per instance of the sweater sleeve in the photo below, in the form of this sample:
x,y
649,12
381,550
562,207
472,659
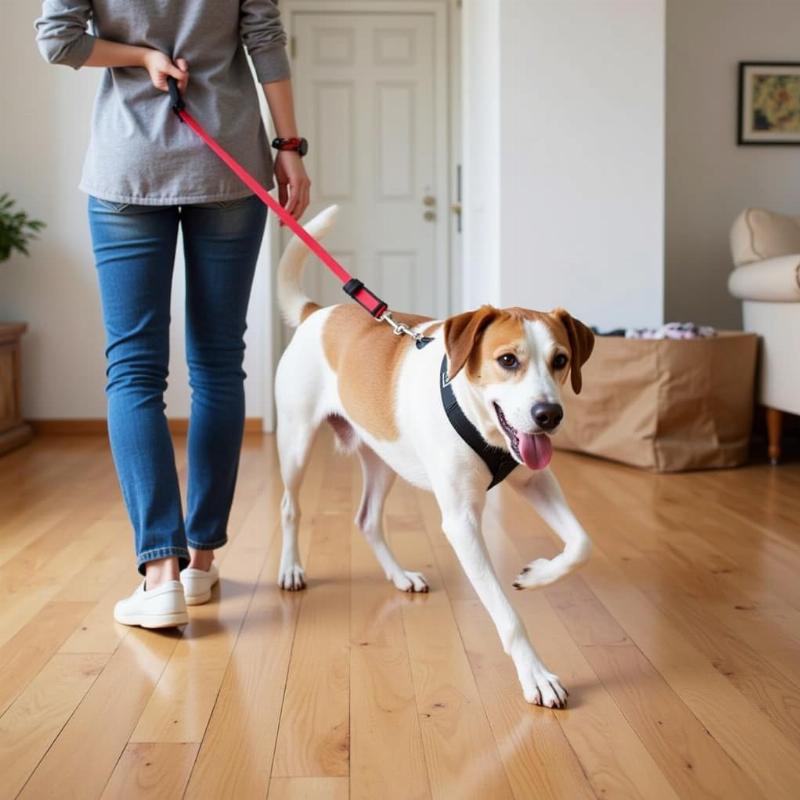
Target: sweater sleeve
x,y
263,35
61,32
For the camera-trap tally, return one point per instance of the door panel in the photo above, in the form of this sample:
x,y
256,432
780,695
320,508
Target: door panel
x,y
365,95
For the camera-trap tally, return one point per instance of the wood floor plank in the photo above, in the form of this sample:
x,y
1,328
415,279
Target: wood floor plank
x,y
22,656
693,762
759,750
29,726
235,757
85,753
313,738
383,709
43,490
309,789
97,632
751,672
154,770
460,750
36,574
236,754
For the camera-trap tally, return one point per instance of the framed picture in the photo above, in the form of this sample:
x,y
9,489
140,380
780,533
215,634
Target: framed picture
x,y
769,102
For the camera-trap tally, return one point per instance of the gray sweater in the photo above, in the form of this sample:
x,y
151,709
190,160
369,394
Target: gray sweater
x,y
139,151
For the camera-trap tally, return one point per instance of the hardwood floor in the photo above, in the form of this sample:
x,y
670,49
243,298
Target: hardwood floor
x,y
679,643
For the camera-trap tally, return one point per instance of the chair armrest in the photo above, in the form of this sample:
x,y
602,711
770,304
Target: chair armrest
x,y
774,280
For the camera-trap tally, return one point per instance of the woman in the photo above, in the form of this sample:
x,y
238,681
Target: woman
x,y
146,175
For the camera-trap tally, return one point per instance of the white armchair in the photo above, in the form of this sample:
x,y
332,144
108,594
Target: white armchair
x,y
766,252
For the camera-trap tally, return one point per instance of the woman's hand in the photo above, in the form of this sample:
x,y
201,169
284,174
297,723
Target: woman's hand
x,y
293,184
160,67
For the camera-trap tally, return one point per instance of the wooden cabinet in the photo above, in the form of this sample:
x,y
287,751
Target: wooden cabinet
x,y
13,430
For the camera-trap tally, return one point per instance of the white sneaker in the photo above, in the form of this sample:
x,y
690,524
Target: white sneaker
x,y
197,584
162,607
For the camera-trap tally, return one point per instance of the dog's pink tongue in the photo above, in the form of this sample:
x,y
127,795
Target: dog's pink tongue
x,y
536,449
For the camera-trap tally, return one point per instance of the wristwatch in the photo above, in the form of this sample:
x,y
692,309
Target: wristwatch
x,y
298,144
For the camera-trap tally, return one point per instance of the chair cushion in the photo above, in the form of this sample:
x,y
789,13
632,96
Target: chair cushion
x,y
758,234
774,280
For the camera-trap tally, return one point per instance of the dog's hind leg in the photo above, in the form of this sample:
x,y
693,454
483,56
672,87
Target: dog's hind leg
x,y
294,444
378,480
541,489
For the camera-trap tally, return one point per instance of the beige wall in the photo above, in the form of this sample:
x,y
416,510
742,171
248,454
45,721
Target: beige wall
x,y
709,179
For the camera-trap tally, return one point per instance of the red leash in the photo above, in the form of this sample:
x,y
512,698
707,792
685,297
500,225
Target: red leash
x,y
352,286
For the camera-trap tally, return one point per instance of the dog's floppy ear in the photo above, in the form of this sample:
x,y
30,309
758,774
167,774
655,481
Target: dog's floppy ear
x,y
462,333
581,343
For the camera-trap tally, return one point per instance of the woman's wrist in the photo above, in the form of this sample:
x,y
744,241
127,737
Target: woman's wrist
x,y
115,54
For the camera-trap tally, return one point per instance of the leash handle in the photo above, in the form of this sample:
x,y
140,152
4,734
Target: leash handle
x,y
354,288
175,98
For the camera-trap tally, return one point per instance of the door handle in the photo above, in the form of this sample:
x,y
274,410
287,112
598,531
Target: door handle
x,y
429,200
429,216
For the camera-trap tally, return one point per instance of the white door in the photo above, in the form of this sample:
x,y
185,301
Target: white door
x,y
367,100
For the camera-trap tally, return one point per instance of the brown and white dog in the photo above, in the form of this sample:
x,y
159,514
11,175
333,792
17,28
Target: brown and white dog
x,y
382,397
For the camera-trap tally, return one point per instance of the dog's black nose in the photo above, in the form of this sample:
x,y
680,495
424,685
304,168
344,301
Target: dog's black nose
x,y
547,415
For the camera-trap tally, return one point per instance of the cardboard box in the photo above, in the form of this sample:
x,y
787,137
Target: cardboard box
x,y
665,405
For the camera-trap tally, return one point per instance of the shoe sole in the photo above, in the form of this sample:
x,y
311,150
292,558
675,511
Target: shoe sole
x,y
198,599
155,620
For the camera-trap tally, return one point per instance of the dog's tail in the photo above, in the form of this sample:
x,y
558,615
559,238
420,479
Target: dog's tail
x,y
292,300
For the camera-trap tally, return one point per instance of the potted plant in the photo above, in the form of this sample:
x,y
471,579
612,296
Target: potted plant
x,y
17,229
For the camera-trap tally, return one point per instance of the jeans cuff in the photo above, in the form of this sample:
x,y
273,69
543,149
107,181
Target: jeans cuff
x,y
181,553
207,545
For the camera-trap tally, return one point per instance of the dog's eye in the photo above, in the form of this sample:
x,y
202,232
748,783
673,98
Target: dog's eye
x,y
560,361
508,361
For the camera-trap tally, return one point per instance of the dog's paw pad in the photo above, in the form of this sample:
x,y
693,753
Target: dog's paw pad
x,y
412,582
292,579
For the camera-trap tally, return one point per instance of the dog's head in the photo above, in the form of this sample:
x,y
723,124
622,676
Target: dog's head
x,y
516,361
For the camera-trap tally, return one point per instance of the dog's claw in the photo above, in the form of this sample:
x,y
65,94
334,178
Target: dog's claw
x,y
545,690
292,578
411,582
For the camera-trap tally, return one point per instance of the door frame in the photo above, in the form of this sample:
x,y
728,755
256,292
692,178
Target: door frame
x,y
448,141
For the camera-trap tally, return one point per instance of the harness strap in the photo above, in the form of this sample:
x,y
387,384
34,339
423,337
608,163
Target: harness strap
x,y
499,462
352,286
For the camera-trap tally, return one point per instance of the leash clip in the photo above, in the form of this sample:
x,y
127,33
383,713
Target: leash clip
x,y
401,329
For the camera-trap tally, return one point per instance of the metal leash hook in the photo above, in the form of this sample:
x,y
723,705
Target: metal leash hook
x,y
401,329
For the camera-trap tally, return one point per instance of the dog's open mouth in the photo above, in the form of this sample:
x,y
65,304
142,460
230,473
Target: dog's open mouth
x,y
532,449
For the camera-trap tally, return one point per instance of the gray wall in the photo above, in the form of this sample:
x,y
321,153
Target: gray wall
x,y
709,179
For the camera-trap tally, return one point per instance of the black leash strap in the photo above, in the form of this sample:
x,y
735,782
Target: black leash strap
x,y
499,462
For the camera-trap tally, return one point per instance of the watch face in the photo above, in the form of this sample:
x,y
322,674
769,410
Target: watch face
x,y
303,147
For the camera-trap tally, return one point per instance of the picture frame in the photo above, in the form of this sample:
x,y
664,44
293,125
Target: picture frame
x,y
769,103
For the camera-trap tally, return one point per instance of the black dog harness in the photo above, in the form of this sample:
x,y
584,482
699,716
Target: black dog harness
x,y
499,462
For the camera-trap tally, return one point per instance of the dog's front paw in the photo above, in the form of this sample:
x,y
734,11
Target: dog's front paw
x,y
410,582
292,578
544,689
541,572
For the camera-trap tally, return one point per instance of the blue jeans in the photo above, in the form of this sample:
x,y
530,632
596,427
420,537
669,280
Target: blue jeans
x,y
134,248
